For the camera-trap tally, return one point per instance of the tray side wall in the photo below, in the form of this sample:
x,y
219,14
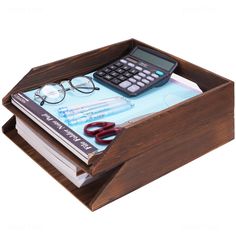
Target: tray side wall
x,y
184,119
179,149
85,194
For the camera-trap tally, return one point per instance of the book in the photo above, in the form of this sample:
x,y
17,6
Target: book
x,y
75,174
61,132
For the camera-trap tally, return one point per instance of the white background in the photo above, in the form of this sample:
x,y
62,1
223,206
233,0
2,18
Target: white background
x,y
197,199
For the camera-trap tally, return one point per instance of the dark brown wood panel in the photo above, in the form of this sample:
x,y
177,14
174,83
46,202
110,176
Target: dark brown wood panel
x,y
84,194
70,67
90,61
179,150
204,78
187,116
51,141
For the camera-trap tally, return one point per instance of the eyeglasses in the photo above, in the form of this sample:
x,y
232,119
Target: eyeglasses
x,y
54,93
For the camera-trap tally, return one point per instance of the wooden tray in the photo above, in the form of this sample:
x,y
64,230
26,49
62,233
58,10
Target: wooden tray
x,y
160,143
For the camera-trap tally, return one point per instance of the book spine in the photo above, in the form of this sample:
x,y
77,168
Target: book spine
x,y
56,126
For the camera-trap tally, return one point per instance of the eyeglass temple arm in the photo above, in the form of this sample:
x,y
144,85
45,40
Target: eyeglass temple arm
x,y
95,88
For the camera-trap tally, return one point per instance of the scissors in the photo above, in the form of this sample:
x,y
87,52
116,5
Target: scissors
x,y
103,129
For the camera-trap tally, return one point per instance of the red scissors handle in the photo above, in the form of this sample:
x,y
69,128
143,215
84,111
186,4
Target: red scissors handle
x,y
100,137
102,131
101,126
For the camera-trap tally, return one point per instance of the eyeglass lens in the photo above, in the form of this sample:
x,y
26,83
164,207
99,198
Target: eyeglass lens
x,y
83,84
54,93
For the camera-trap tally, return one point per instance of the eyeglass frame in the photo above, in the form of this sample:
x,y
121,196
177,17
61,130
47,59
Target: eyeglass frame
x,y
65,89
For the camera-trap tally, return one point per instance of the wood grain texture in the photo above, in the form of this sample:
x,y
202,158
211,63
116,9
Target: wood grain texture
x,y
57,146
165,125
178,147
204,78
70,67
84,194
92,60
144,150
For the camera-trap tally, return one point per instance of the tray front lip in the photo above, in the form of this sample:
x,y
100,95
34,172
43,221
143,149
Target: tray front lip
x,y
96,167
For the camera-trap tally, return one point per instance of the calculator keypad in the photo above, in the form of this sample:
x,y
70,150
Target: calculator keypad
x,y
128,76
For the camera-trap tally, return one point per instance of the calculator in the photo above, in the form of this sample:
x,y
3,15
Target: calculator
x,y
140,70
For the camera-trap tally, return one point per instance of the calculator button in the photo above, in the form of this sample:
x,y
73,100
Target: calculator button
x,y
137,77
115,81
159,72
118,64
145,81
140,84
147,72
112,67
142,74
120,70
114,74
123,61
138,68
108,77
155,76
125,67
133,88
133,71
121,77
127,74
131,64
150,78
132,80
101,73
107,70
124,84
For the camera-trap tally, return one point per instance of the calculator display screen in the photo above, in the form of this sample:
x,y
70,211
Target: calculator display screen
x,y
153,59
